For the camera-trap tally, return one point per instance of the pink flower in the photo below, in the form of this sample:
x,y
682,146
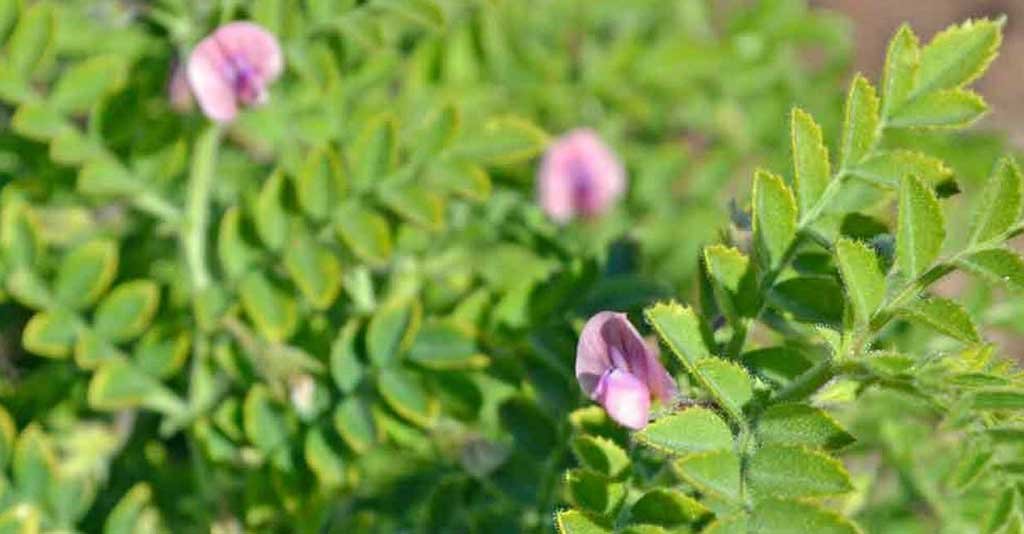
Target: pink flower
x,y
232,67
579,176
616,367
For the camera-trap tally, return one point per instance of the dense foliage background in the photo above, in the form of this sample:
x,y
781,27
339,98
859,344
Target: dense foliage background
x,y
345,312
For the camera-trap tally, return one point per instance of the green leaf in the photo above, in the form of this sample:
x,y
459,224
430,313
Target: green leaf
x,y
774,215
902,63
443,346
997,265
405,394
129,514
464,179
1000,205
346,368
501,141
86,82
119,385
920,228
162,356
865,283
679,328
320,183
594,493
269,307
601,455
787,471
811,299
729,379
267,425
50,334
416,204
811,170
323,459
955,108
777,364
958,55
691,430
8,435
577,522
236,254
943,315
38,121
365,232
714,472
91,350
801,424
860,123
314,269
668,508
105,176
998,399
779,516
33,38
727,265
86,272
390,330
271,219
126,312
34,464
1003,512
887,168
375,152
426,13
354,423
72,148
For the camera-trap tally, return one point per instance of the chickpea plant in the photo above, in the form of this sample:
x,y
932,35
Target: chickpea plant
x,y
321,266
824,277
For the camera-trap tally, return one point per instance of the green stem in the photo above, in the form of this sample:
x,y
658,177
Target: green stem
x,y
193,231
807,383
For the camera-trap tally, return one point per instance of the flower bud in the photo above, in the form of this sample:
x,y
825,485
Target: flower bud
x,y
232,67
620,370
579,177
178,91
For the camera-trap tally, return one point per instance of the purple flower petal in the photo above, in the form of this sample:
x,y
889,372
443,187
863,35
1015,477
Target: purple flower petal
x,y
609,343
232,67
580,176
625,398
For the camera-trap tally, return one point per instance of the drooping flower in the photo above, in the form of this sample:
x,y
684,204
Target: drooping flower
x,y
178,91
618,369
232,68
579,177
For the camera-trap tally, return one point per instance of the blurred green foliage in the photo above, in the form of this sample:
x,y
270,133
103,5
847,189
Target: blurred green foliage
x,y
344,312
